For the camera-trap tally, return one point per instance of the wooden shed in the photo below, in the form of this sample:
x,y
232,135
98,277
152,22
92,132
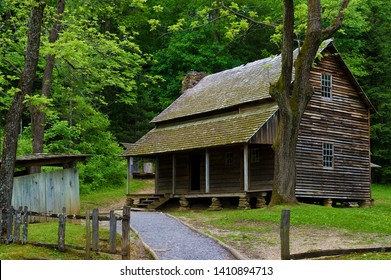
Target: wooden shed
x,y
47,192
216,139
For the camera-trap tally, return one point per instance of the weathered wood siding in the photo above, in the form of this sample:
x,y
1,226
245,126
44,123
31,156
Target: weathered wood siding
x,y
48,192
223,176
164,174
342,121
226,177
261,172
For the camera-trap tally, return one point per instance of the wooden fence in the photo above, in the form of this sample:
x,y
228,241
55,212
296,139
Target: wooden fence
x,y
285,244
15,219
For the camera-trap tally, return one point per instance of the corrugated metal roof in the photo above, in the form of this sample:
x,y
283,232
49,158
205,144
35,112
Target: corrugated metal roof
x,y
215,131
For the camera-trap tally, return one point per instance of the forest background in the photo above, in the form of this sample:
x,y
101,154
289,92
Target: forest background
x,y
118,63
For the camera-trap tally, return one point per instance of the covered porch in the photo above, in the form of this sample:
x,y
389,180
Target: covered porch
x,y
242,173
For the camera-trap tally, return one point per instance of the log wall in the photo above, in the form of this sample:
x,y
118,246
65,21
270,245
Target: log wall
x,y
342,121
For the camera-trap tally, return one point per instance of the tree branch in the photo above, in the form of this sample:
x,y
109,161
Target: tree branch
x,y
329,31
13,65
246,17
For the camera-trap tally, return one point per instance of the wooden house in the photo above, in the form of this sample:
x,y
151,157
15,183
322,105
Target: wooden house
x,y
216,139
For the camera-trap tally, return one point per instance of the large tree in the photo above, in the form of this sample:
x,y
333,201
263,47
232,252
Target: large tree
x,y
15,112
292,102
37,113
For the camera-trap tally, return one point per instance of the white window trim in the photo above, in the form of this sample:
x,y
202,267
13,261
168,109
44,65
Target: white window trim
x,y
332,156
329,87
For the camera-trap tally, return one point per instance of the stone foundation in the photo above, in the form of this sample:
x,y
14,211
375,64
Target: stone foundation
x,y
244,203
184,204
261,202
328,202
215,205
365,204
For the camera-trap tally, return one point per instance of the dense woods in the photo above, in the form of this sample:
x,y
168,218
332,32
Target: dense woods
x,y
118,63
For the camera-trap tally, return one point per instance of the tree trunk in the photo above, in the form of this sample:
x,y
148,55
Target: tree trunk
x,y
36,112
15,112
293,102
285,161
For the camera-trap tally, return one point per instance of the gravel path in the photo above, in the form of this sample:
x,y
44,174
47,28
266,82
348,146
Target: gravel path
x,y
172,240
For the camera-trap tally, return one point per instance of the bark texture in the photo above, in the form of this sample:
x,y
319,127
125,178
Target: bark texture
x,y
15,112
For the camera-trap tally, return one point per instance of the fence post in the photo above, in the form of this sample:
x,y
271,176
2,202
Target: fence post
x,y
18,221
61,230
1,222
95,229
88,234
113,232
125,233
10,222
25,225
284,234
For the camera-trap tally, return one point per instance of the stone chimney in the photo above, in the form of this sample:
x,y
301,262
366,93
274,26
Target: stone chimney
x,y
191,79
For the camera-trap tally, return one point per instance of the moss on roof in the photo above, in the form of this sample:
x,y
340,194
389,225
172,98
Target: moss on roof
x,y
226,89
216,131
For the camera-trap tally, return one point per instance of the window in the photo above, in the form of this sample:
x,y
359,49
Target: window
x,y
328,156
255,155
229,158
326,85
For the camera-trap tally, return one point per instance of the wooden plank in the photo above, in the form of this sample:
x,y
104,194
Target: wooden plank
x,y
18,221
10,221
173,173
61,231
25,225
245,168
1,222
126,233
113,232
95,229
207,171
88,235
284,234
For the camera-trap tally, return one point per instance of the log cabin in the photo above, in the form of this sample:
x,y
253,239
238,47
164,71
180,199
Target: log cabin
x,y
215,141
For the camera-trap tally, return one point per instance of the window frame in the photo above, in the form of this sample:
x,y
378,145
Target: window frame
x,y
328,155
326,90
229,158
255,155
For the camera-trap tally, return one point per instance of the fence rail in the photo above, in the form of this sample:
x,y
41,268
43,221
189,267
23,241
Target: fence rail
x,y
285,244
15,219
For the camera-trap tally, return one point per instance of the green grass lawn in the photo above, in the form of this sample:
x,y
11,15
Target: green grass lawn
x,y
110,196
373,220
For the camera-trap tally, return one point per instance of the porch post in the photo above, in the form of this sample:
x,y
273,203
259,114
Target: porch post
x,y
245,167
156,174
129,174
173,173
207,183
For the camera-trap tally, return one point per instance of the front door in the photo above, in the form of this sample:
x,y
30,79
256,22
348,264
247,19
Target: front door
x,y
195,173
